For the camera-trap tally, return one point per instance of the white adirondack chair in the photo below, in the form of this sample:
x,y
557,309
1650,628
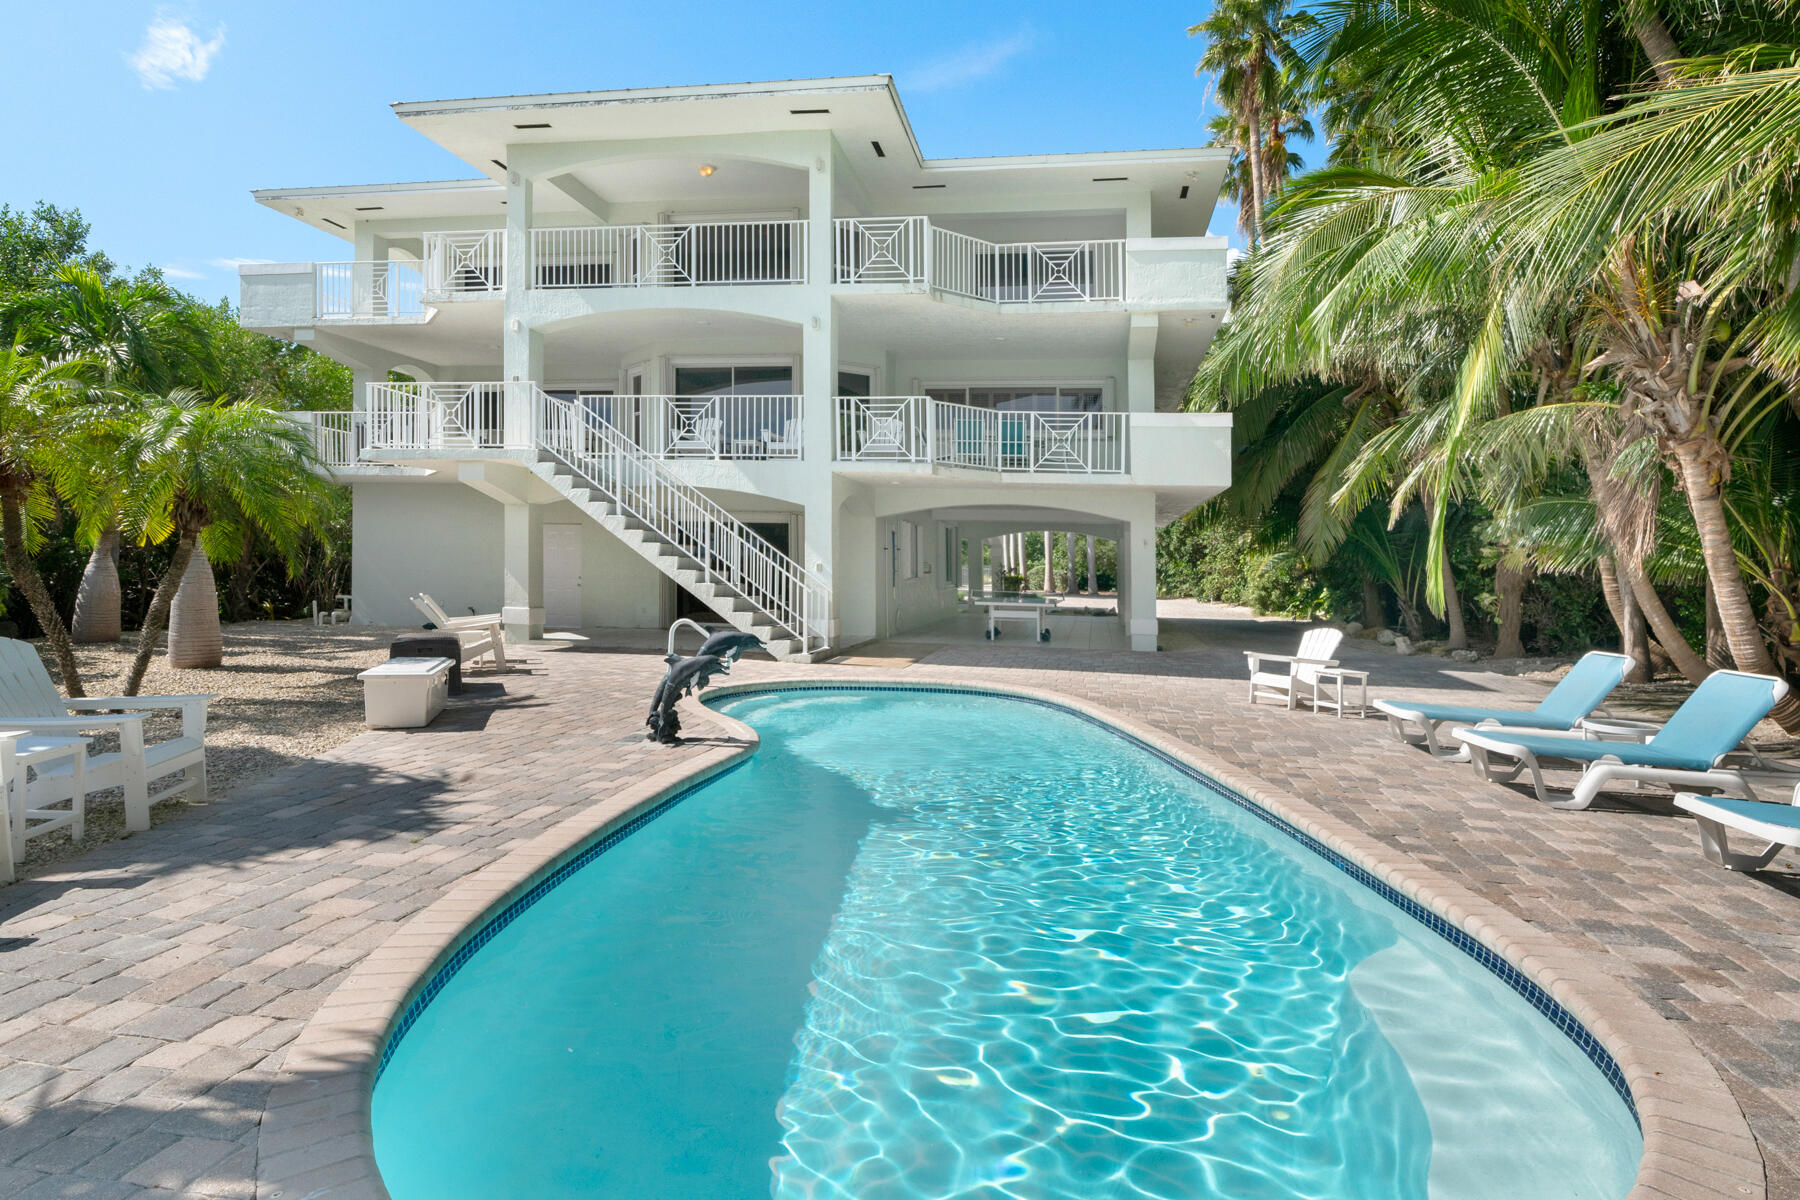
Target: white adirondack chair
x,y
480,636
1301,669
787,445
29,701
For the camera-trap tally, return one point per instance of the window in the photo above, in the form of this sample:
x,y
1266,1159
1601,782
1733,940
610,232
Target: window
x,y
908,551
854,383
734,381
1046,398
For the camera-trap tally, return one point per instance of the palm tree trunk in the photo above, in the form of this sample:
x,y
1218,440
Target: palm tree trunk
x,y
1718,651
1374,614
26,578
1668,634
1629,621
158,616
1653,35
1069,553
1742,631
96,616
1049,555
1453,614
194,635
1509,586
1253,136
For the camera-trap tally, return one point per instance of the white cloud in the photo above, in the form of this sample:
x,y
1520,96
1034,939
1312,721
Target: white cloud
x,y
232,264
172,51
183,273
967,65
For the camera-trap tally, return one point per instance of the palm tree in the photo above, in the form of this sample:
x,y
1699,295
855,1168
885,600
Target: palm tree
x,y
146,339
210,475
37,437
1247,45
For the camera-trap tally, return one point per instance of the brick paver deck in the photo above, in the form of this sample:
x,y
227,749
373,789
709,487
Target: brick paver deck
x,y
148,990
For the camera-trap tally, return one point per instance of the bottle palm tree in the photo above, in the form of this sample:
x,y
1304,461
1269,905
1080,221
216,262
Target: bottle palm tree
x,y
143,338
210,475
37,438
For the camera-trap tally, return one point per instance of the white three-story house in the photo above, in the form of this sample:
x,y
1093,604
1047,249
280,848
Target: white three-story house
x,y
743,347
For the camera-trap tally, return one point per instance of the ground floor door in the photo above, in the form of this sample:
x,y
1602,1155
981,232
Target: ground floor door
x,y
562,576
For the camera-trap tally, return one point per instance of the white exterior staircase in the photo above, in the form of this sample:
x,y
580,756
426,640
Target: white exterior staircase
x,y
680,531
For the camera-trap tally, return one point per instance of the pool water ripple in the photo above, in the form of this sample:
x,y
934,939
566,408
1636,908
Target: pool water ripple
x,y
956,946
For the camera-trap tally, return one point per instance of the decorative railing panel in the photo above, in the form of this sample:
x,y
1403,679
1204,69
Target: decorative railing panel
x,y
471,263
881,249
338,437
705,254
882,429
348,291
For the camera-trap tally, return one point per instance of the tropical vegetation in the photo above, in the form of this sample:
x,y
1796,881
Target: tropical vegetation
x,y
1532,328
144,430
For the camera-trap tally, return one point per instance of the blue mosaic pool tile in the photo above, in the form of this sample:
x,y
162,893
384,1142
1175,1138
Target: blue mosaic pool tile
x,y
1551,1009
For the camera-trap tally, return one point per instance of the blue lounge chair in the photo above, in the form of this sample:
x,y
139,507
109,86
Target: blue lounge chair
x,y
1775,823
1575,695
1688,750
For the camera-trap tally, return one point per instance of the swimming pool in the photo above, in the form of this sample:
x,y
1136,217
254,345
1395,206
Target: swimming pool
x,y
932,944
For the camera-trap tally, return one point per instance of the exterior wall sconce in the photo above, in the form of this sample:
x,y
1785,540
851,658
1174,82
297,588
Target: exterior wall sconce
x,y
706,170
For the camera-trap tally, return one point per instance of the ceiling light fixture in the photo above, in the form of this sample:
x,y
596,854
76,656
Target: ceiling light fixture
x,y
706,170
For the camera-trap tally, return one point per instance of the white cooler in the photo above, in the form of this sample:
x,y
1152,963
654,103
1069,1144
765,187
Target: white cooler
x,y
405,693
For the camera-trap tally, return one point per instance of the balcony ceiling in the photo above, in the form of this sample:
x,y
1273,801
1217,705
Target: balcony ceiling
x,y
676,183
860,110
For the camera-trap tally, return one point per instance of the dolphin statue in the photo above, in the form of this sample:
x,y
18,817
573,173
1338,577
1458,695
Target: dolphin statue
x,y
684,677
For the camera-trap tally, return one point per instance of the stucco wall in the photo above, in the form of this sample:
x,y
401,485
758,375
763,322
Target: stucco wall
x,y
421,535
273,295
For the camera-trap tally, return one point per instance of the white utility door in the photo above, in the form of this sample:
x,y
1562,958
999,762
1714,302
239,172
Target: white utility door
x,y
562,576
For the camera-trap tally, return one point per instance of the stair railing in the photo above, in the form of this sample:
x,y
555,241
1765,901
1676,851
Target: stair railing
x,y
727,550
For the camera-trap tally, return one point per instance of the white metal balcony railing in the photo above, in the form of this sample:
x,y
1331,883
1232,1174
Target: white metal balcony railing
x,y
1027,272
911,250
726,550
470,263
696,255
337,437
919,429
730,426
433,416
345,291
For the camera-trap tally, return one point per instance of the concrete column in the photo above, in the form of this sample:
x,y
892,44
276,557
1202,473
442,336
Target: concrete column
x,y
522,347
1092,586
522,583
1137,577
1140,366
360,379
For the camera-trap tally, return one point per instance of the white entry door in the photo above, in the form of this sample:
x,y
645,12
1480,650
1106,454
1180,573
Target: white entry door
x,y
562,576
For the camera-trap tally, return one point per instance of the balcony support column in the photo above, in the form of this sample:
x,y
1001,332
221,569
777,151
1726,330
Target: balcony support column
x,y
1137,575
1140,365
522,583
522,347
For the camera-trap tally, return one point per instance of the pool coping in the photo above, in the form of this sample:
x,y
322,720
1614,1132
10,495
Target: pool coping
x,y
316,1139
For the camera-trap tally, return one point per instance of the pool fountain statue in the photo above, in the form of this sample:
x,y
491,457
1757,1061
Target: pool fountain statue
x,y
686,676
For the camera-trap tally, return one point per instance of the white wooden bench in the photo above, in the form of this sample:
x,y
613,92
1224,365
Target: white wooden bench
x,y
405,693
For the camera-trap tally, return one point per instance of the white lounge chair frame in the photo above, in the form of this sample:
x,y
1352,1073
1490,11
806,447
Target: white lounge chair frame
x,y
1597,774
1714,823
30,701
478,637
1316,648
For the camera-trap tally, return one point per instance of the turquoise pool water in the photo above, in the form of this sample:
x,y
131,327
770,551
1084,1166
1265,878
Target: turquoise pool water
x,y
937,945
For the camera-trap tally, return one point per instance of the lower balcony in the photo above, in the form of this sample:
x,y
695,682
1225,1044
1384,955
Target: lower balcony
x,y
919,429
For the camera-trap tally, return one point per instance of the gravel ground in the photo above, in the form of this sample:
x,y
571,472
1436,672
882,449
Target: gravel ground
x,y
287,690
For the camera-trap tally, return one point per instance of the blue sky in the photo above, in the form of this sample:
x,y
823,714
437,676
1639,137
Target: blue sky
x,y
157,120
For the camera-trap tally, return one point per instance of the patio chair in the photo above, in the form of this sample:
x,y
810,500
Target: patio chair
x,y
1575,695
1689,750
29,701
1316,648
1775,823
481,635
785,446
